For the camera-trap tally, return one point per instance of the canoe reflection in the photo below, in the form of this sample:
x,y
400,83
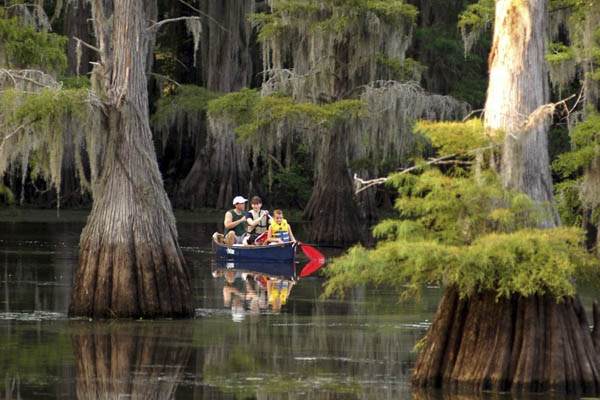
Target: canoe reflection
x,y
251,288
129,360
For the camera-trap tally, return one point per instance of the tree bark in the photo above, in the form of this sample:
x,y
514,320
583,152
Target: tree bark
x,y
226,62
331,206
130,264
520,344
518,86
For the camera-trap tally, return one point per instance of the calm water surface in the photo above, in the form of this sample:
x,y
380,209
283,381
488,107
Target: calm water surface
x,y
274,346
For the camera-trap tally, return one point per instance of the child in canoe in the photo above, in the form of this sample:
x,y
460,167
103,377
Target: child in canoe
x,y
279,230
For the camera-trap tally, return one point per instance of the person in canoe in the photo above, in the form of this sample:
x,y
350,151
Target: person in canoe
x,y
279,230
235,222
258,221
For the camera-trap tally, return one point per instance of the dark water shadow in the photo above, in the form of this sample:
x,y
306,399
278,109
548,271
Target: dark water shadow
x,y
130,360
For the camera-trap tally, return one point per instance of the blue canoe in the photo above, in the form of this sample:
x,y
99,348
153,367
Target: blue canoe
x,y
283,252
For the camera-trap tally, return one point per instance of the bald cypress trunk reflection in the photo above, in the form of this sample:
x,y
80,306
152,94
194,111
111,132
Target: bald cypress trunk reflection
x,y
130,360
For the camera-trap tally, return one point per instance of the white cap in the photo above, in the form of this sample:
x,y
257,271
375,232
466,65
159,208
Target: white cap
x,y
239,199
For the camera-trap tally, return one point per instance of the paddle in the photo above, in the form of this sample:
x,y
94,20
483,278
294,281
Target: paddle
x,y
311,252
311,267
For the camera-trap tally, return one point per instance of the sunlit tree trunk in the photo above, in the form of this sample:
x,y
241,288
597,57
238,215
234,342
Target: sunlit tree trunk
x,y
130,263
521,344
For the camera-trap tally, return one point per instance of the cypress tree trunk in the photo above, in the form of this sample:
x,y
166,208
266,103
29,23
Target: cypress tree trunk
x,y
130,263
331,206
521,344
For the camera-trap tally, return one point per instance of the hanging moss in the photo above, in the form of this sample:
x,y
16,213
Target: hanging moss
x,y
37,124
183,110
477,18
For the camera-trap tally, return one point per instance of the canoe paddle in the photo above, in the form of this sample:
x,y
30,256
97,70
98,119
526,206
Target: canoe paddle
x,y
311,252
312,266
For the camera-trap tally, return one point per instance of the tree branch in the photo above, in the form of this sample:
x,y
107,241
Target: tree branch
x,y
157,25
11,134
89,46
440,160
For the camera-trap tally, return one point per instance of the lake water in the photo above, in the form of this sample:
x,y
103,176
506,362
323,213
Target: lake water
x,y
360,347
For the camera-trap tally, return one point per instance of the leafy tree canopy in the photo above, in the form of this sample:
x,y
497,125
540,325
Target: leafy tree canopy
x,y
329,15
476,236
252,112
24,47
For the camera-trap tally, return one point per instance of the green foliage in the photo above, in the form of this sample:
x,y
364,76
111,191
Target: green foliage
x,y
329,15
476,236
569,205
526,262
477,16
292,186
253,113
559,53
24,47
76,82
401,70
46,109
584,140
8,195
459,210
454,137
187,99
237,107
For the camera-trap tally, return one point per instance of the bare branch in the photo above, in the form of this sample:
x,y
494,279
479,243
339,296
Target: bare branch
x,y
161,76
97,50
541,113
440,160
480,111
11,134
157,25
21,75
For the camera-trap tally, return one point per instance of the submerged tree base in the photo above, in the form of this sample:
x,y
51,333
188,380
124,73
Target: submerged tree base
x,y
520,344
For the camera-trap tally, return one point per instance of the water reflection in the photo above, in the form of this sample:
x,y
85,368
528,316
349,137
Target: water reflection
x,y
130,360
296,346
253,287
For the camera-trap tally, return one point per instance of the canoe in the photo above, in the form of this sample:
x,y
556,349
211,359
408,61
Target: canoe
x,y
283,252
272,269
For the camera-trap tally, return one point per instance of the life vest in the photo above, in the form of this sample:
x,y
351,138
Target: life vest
x,y
263,224
280,231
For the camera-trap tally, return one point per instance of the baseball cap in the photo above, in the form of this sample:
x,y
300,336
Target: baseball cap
x,y
239,199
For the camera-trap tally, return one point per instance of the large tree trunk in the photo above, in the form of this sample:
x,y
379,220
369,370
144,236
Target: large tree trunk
x,y
522,344
226,66
130,263
331,207
226,62
518,86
